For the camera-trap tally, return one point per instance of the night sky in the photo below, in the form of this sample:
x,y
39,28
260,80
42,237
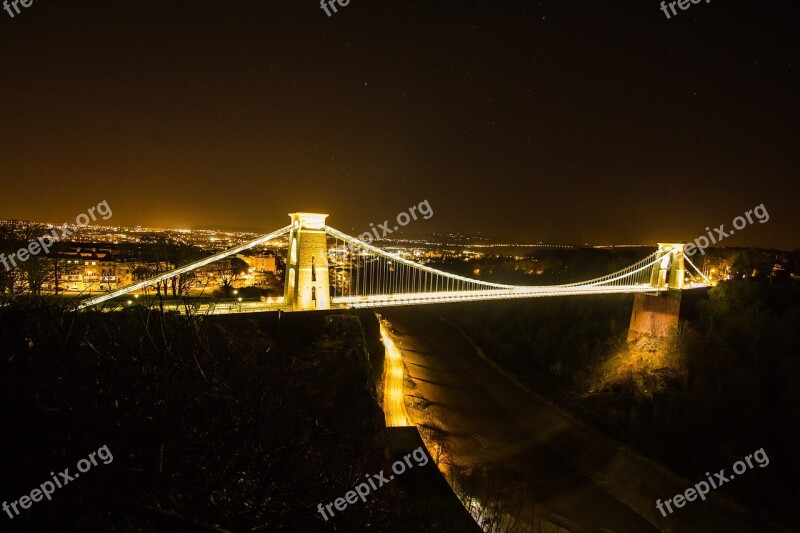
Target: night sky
x,y
558,121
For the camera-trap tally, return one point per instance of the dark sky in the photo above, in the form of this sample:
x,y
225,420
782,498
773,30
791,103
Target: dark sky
x,y
595,121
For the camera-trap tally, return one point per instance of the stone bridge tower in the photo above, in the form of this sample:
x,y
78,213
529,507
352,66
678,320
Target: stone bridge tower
x,y
671,270
306,286
658,314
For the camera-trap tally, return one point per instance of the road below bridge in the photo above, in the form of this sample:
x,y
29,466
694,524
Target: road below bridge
x,y
535,454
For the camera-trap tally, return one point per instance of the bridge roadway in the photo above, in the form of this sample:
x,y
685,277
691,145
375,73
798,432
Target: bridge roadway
x,y
203,307
578,478
393,300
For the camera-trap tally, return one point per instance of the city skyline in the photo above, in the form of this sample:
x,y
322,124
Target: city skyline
x,y
438,238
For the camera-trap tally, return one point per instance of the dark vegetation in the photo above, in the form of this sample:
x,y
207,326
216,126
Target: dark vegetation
x,y
724,385
237,423
41,273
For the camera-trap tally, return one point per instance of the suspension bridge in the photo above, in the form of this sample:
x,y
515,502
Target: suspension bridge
x,y
327,268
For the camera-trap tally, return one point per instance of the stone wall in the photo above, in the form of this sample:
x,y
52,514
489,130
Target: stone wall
x,y
655,314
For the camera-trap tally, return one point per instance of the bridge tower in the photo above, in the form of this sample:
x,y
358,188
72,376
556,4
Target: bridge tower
x,y
306,286
658,314
671,270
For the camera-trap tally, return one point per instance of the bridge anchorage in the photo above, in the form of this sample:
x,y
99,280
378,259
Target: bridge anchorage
x,y
326,269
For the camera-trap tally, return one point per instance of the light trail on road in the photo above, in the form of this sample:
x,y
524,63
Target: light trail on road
x,y
393,405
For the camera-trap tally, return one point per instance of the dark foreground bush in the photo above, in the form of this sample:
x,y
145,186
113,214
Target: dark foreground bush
x,y
240,424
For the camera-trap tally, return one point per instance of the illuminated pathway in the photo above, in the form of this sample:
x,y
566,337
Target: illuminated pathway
x,y
393,404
